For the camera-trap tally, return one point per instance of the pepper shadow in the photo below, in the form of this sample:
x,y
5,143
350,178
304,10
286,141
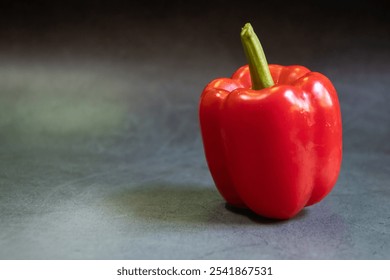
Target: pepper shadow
x,y
181,204
260,219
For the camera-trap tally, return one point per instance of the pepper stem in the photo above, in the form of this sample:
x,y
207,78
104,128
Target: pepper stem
x,y
258,66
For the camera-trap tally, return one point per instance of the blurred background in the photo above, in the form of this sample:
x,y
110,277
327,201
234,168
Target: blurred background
x,y
100,150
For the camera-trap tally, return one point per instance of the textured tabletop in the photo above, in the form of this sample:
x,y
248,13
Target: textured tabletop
x,y
100,149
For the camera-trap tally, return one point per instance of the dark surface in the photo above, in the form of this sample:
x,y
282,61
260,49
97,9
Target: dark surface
x,y
100,151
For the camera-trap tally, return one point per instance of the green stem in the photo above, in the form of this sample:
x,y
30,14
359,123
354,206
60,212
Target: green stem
x,y
258,66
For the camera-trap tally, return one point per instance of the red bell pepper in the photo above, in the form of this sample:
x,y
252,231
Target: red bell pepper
x,y
272,134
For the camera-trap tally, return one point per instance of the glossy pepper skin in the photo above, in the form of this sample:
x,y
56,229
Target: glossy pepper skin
x,y
274,150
